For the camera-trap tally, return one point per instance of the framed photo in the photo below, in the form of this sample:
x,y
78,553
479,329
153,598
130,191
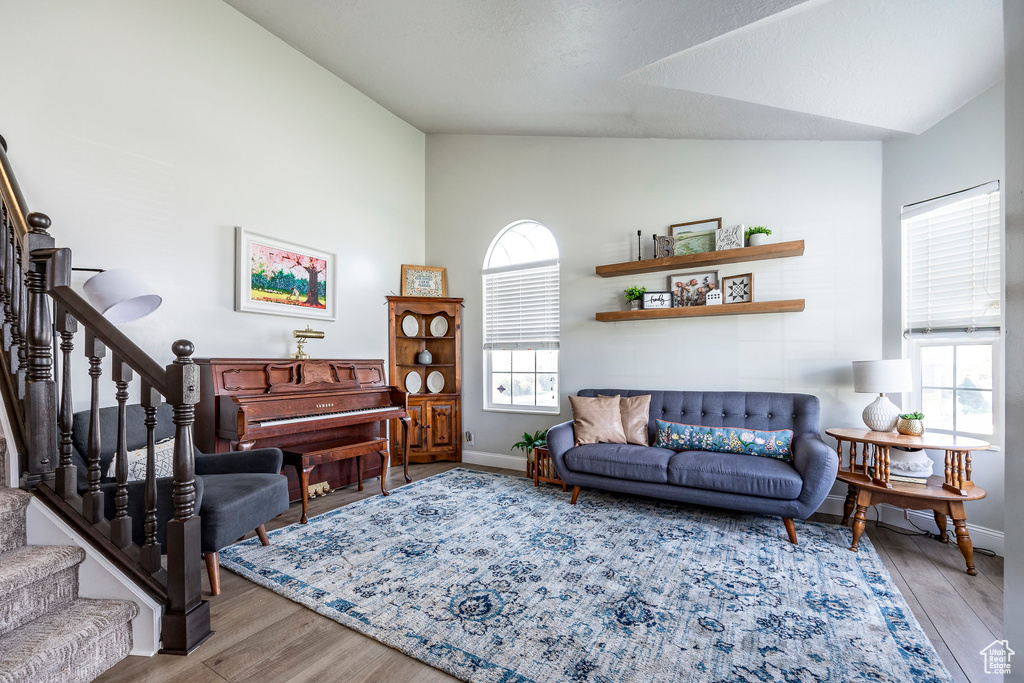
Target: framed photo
x,y
656,300
738,289
729,237
695,237
424,280
691,289
277,277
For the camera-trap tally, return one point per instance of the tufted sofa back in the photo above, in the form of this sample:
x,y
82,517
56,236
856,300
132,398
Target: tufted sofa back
x,y
747,409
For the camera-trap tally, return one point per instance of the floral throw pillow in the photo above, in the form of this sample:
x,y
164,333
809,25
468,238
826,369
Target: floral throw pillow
x,y
680,437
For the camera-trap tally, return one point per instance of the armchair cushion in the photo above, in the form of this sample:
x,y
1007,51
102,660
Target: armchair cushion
x,y
235,504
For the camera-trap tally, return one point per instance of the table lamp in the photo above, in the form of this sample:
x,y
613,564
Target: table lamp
x,y
120,295
882,377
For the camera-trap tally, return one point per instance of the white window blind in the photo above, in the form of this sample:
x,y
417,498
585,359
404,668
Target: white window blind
x,y
521,306
951,262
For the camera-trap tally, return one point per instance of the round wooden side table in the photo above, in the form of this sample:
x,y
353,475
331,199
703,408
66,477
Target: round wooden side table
x,y
867,475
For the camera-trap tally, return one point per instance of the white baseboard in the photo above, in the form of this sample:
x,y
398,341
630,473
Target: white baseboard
x,y
981,537
508,462
98,577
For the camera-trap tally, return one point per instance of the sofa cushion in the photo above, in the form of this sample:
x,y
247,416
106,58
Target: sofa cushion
x,y
622,461
687,437
596,420
735,473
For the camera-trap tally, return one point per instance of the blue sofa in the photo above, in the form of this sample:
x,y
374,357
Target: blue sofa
x,y
749,483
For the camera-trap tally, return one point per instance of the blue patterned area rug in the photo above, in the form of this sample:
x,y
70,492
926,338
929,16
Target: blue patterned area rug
x,y
490,579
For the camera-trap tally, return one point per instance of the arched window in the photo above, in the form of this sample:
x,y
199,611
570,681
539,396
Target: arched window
x,y
521,325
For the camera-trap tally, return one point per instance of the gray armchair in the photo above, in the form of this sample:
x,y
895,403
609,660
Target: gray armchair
x,y
235,492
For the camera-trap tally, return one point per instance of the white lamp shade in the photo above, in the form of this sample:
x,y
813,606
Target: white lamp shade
x,y
882,376
121,296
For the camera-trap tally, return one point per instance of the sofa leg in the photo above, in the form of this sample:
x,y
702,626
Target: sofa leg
x,y
790,529
261,531
213,569
575,494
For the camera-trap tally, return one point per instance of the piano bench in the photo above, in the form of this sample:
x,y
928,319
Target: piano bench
x,y
304,457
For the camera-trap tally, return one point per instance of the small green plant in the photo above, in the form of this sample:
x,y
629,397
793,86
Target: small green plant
x,y
634,293
757,229
532,441
912,416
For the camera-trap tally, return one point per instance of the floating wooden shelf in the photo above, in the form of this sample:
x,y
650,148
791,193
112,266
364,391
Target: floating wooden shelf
x,y
711,258
782,306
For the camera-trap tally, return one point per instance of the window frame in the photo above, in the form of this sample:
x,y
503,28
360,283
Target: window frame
x,y
994,339
488,405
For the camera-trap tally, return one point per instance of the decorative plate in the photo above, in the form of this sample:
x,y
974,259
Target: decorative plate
x,y
435,382
438,326
410,326
413,382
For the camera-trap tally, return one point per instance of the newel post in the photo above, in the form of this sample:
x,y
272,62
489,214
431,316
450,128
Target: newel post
x,y
186,622
40,390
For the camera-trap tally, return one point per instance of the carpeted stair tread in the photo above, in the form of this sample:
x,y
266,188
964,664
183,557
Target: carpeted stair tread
x,y
12,518
75,643
12,500
30,563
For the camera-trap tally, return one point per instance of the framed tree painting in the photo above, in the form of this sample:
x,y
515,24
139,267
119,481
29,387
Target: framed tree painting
x,y
281,278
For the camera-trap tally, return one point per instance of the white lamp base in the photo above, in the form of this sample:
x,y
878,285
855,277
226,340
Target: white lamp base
x,y
881,415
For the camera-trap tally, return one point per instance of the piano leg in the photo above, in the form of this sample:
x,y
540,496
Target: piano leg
x,y
303,473
405,448
359,471
384,457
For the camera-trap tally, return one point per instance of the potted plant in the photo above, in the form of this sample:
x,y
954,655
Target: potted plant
x,y
911,424
757,235
530,444
633,296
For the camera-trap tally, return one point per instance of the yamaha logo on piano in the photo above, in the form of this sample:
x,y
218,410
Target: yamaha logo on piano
x,y
324,405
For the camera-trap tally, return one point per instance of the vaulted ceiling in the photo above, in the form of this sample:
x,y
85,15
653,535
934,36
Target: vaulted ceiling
x,y
724,69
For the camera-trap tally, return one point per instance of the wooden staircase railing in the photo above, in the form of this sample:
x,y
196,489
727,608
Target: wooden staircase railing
x,y
35,277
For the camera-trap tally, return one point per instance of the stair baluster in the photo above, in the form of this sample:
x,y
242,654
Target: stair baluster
x,y
121,525
5,300
12,277
66,482
186,622
40,393
92,501
150,554
19,287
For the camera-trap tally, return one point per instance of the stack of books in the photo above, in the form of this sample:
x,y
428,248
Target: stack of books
x,y
906,479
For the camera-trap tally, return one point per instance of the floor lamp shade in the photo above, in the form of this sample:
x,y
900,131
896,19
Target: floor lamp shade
x,y
121,296
882,377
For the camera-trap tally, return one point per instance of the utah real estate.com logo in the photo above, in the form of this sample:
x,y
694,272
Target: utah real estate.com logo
x,y
997,657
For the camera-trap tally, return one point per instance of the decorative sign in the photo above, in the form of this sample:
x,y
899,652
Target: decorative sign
x,y
729,237
424,281
657,300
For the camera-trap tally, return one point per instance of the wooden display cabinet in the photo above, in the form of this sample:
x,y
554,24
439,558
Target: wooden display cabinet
x,y
436,416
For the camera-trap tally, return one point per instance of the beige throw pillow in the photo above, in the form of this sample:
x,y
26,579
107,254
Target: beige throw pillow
x,y
596,420
635,411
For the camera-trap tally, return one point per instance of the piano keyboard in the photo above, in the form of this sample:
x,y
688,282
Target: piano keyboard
x,y
323,416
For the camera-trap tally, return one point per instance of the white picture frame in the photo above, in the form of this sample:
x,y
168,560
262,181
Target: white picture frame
x,y
270,275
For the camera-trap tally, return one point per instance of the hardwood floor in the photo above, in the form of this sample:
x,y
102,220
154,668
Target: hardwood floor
x,y
261,636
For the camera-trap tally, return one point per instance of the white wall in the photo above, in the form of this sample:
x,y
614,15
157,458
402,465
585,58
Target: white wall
x,y
1013,608
594,194
963,150
147,130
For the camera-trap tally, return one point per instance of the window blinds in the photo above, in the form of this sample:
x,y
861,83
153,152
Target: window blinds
x,y
951,262
521,306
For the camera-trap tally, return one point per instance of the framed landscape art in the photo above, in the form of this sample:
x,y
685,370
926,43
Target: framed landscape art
x,y
281,278
695,237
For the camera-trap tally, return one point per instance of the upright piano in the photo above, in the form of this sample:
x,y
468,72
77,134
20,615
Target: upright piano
x,y
250,403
